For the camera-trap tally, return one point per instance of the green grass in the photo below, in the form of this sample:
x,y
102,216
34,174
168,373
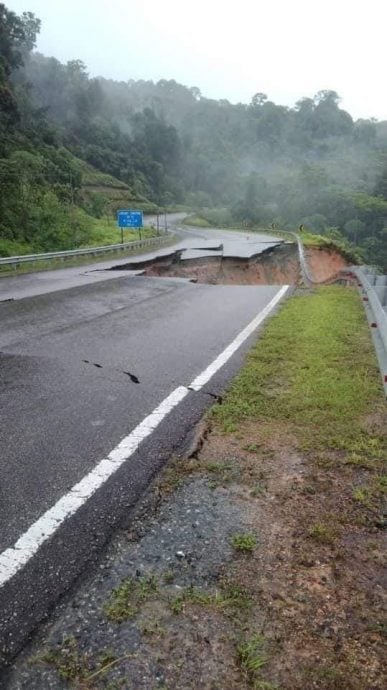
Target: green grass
x,y
323,533
196,222
66,658
372,494
221,473
313,373
244,542
252,657
127,599
229,596
75,666
350,252
80,669
311,239
105,231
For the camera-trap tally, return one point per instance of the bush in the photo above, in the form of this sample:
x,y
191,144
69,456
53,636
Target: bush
x,y
13,248
217,216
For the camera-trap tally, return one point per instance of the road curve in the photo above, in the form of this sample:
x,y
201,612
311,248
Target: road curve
x,y
45,282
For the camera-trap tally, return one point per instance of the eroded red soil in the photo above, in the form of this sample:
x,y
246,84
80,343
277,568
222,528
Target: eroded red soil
x,y
276,267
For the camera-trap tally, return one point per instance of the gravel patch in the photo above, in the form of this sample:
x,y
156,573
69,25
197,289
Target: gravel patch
x,y
182,543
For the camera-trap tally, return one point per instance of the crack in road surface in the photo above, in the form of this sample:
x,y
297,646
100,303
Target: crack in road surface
x,y
216,396
132,377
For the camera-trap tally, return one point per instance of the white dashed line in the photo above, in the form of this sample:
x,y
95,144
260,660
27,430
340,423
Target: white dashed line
x,y
16,557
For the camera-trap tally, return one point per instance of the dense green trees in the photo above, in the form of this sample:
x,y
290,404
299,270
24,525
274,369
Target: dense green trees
x,y
260,162
17,36
38,178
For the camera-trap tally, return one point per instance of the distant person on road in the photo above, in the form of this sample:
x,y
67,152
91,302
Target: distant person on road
x,y
301,228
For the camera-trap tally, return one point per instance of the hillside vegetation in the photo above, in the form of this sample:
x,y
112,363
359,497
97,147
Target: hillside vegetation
x,y
92,145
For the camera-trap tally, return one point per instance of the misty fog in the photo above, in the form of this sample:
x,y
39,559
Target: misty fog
x,y
167,145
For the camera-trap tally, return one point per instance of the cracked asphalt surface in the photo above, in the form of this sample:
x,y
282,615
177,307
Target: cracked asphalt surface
x,y
80,367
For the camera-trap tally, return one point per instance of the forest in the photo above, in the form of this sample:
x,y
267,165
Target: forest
x,y
74,149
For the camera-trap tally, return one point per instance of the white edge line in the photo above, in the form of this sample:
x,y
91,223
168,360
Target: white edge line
x,y
17,556
208,373
14,558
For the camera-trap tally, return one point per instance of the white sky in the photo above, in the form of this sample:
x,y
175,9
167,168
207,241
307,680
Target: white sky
x,y
286,48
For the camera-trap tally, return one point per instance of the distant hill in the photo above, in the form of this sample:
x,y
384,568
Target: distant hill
x,y
96,144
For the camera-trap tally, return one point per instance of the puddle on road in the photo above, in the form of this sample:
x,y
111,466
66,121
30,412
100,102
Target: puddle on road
x,y
277,265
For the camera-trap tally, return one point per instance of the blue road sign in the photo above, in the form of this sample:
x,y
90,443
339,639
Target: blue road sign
x,y
129,219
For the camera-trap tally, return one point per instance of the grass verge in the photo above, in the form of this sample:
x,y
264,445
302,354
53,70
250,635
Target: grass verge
x,y
314,372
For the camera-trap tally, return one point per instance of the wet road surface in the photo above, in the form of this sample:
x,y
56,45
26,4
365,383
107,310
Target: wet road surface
x,y
80,369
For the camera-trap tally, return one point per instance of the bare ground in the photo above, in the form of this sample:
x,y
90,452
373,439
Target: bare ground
x,y
309,592
317,573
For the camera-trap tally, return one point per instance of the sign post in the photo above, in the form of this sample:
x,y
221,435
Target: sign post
x,y
129,219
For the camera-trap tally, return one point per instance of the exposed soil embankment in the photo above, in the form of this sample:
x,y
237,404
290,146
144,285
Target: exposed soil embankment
x,y
324,264
276,266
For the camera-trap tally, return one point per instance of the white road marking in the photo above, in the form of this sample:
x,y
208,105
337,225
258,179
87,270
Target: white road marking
x,y
17,556
208,373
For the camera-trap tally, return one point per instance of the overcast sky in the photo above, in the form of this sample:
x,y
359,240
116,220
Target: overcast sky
x,y
285,48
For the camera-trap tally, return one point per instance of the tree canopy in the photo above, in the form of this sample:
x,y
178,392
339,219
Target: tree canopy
x,y
261,162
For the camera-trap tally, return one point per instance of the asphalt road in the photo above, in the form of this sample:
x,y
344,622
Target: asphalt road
x,y
233,244
80,368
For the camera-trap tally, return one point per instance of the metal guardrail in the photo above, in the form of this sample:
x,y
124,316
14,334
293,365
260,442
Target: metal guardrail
x,y
307,278
376,314
303,263
89,251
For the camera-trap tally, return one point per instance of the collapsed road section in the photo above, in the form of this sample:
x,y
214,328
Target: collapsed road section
x,y
274,264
